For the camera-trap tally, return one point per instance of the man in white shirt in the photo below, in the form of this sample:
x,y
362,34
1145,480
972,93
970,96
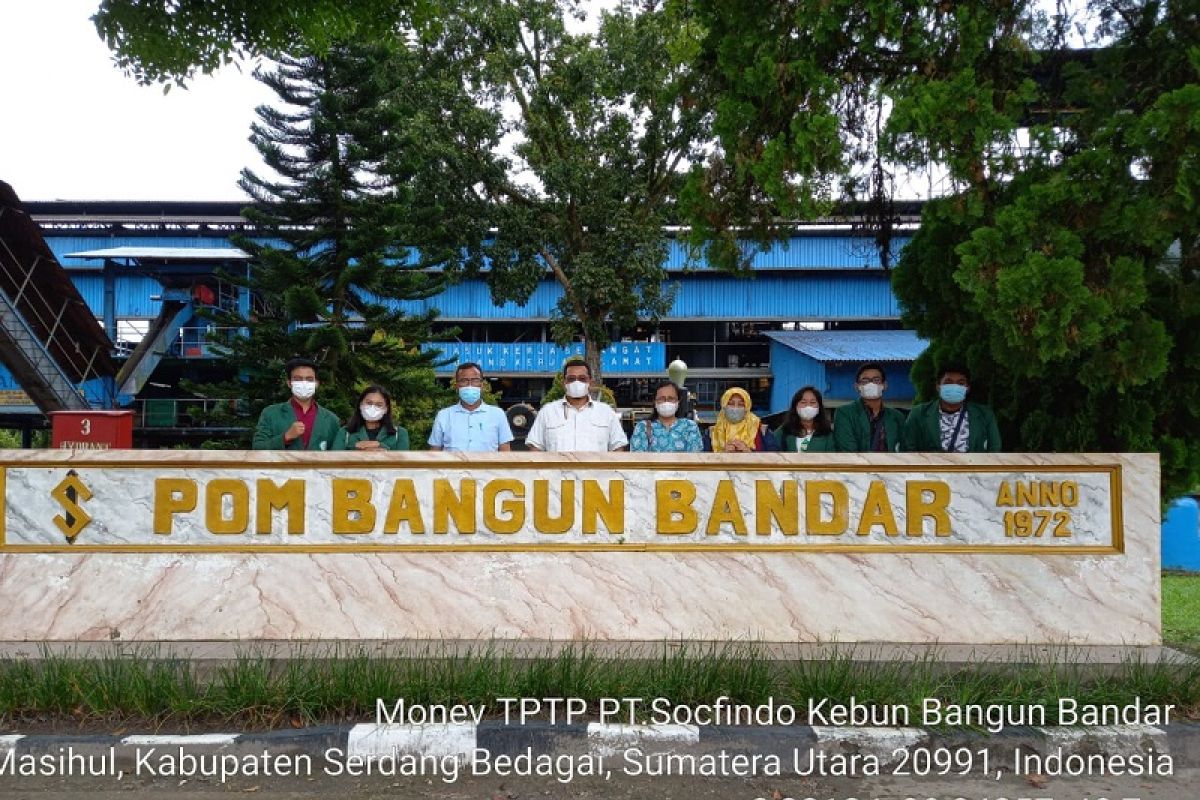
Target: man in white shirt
x,y
577,423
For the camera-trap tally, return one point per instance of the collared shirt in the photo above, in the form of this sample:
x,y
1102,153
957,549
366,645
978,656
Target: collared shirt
x,y
479,430
651,436
560,427
309,418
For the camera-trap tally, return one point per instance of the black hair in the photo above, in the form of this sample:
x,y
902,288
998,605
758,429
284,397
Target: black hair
x,y
953,367
678,397
356,419
791,423
466,365
297,363
575,361
870,365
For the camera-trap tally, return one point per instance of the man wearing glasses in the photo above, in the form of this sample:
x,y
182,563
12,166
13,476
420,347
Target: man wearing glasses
x,y
867,425
577,423
470,425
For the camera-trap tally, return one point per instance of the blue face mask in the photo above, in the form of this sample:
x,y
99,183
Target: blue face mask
x,y
470,394
952,393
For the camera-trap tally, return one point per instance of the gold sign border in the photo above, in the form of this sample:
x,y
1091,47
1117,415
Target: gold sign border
x,y
1115,493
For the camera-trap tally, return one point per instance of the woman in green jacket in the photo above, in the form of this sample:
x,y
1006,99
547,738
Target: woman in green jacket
x,y
806,428
371,427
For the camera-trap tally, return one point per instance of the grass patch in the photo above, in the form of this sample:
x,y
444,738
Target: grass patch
x,y
337,684
1181,610
253,691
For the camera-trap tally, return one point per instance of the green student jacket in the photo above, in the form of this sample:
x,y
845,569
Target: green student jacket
x,y
789,443
922,429
276,419
388,441
852,428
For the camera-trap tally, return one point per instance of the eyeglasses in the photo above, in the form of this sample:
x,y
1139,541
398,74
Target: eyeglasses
x,y
470,382
870,380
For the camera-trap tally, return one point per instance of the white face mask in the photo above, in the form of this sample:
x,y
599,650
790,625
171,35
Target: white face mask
x,y
304,389
667,409
577,389
372,413
807,412
735,414
870,391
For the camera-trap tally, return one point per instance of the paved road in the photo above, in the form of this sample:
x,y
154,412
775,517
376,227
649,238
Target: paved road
x,y
1184,785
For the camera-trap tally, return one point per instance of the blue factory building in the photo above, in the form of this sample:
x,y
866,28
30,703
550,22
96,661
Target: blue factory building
x,y
806,312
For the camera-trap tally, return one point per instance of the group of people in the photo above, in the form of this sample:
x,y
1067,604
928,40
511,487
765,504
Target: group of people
x,y
577,422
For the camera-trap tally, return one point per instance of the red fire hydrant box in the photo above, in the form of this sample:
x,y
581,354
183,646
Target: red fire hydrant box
x,y
91,430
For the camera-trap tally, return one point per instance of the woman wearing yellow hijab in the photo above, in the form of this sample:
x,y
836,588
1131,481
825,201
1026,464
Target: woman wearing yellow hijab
x,y
738,429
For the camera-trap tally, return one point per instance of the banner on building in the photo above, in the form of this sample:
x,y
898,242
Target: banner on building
x,y
620,357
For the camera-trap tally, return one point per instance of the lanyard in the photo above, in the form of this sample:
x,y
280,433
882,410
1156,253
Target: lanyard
x,y
957,427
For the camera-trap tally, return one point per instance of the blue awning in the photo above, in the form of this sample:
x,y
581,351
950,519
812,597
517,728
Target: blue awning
x,y
826,346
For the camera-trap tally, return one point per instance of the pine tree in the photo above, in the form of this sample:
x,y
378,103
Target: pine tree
x,y
330,272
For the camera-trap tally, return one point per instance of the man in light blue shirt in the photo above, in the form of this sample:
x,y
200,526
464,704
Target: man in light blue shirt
x,y
470,425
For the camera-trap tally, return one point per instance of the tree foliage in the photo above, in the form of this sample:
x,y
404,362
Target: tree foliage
x,y
537,153
165,42
1061,262
328,274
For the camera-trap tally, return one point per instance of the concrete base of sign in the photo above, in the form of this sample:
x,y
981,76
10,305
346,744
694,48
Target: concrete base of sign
x,y
1097,659
820,594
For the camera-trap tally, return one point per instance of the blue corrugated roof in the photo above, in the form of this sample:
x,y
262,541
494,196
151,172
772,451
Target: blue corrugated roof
x,y
853,345
825,250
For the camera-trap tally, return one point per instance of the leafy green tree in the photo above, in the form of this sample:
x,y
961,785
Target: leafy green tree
x,y
600,128
1062,261
328,274
160,42
1073,268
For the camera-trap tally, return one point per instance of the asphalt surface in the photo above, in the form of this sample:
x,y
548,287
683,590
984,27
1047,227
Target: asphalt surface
x,y
1182,785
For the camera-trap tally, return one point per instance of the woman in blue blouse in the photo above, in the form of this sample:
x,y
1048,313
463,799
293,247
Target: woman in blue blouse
x,y
664,432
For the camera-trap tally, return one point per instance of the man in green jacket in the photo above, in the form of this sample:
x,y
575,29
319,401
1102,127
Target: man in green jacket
x,y
298,423
950,424
867,425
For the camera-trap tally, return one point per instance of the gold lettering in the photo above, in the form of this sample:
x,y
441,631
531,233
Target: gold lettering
x,y
542,521
288,497
1039,494
460,506
776,507
405,508
597,507
726,508
672,498
172,496
514,507
353,511
839,521
877,510
917,507
214,506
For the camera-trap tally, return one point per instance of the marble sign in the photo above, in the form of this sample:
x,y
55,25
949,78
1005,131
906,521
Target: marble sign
x,y
171,545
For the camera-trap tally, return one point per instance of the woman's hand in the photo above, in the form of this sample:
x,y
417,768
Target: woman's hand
x,y
367,444
736,446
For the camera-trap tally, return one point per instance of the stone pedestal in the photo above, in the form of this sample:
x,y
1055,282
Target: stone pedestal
x,y
175,546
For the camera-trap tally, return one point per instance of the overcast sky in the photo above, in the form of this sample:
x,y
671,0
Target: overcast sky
x,y
72,127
